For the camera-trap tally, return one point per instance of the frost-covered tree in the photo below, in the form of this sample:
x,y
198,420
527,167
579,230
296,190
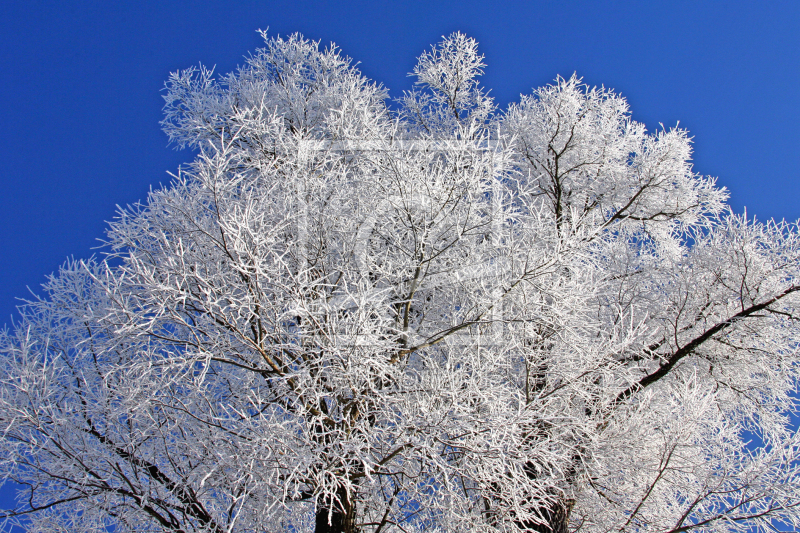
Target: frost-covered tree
x,y
435,315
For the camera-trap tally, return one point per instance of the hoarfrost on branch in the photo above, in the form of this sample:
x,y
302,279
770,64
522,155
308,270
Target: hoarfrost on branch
x,y
434,315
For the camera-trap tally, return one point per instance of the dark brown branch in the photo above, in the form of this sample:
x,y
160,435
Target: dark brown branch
x,y
698,341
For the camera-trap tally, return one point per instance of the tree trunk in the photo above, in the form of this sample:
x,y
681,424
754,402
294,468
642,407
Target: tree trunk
x,y
337,516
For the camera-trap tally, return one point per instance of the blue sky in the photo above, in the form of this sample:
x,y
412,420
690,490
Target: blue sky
x,y
81,84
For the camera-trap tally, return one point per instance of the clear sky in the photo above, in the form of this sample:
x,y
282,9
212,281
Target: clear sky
x,y
80,86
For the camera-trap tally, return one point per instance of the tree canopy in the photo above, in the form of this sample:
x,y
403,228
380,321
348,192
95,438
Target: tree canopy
x,y
353,314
